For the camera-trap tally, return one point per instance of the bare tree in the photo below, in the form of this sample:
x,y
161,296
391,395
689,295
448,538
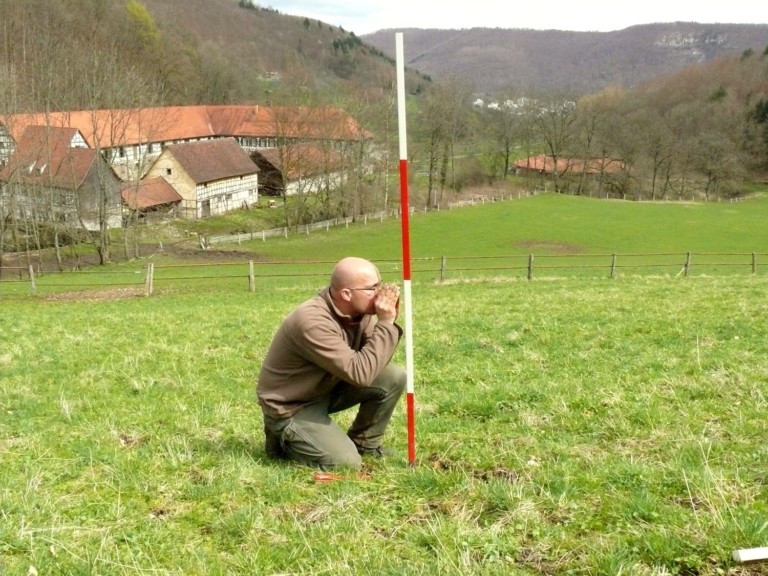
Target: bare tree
x,y
555,123
367,147
442,121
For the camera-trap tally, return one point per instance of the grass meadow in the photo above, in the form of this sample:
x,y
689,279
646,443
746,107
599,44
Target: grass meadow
x,y
566,425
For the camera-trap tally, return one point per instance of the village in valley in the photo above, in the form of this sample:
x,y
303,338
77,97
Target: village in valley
x,y
93,168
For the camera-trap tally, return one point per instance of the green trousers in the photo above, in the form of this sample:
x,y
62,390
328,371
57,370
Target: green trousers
x,y
311,437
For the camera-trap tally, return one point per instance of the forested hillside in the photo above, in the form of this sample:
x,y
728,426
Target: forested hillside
x,y
82,54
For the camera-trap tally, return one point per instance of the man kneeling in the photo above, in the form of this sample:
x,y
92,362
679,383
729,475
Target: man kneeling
x,y
328,355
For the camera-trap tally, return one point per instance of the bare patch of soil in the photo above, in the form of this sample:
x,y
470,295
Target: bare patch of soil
x,y
95,295
15,264
211,255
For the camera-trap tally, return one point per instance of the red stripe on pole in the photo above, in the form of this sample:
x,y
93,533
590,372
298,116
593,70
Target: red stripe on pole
x,y
405,219
410,411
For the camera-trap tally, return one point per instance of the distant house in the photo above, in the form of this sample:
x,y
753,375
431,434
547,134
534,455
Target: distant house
x,y
211,177
544,164
52,176
297,169
151,195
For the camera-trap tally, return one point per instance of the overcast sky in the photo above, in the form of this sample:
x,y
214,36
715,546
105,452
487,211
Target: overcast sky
x,y
366,16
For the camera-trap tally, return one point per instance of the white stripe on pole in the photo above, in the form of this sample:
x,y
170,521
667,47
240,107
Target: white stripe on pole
x,y
406,244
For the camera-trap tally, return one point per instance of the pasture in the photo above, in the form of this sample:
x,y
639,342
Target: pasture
x,y
572,425
545,224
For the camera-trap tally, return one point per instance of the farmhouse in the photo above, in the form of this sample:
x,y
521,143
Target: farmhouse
x,y
211,176
54,177
132,139
545,165
132,142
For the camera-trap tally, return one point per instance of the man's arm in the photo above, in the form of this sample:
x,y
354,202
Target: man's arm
x,y
323,342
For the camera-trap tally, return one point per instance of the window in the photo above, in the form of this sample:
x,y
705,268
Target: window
x,y
168,171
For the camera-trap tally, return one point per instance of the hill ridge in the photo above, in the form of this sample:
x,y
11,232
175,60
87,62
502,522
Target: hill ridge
x,y
526,60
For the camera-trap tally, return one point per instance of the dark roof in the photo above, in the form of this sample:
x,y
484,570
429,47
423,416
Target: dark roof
x,y
301,160
44,156
212,160
148,193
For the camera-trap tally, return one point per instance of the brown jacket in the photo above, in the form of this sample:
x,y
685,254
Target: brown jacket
x,y
315,348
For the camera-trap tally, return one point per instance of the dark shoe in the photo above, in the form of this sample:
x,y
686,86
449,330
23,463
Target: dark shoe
x,y
378,452
272,445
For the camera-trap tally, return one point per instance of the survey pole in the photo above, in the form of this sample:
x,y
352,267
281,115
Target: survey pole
x,y
406,244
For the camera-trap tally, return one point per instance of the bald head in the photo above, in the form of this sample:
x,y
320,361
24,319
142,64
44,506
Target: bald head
x,y
352,271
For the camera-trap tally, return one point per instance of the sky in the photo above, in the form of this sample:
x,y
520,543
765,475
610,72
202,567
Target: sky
x,y
367,16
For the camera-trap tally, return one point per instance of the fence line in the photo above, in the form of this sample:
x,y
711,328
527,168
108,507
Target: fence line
x,y
300,229
434,268
380,216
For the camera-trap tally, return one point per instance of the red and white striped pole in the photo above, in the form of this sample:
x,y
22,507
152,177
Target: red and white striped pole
x,y
406,242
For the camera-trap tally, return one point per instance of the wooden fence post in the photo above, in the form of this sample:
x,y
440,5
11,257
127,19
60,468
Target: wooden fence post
x,y
613,267
149,280
442,269
251,277
687,263
754,263
530,266
33,286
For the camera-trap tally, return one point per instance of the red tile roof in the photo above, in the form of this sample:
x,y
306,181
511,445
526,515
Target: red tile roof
x,y
545,163
126,127
148,193
43,156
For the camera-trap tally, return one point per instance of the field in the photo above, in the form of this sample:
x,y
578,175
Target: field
x,y
570,425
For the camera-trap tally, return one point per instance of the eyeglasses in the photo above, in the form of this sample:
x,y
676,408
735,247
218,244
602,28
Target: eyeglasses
x,y
368,288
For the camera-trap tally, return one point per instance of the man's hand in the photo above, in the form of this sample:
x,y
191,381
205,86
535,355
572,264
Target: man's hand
x,y
387,302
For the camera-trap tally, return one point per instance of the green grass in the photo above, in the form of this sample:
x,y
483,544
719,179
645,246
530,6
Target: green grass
x,y
546,224
566,235
568,426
